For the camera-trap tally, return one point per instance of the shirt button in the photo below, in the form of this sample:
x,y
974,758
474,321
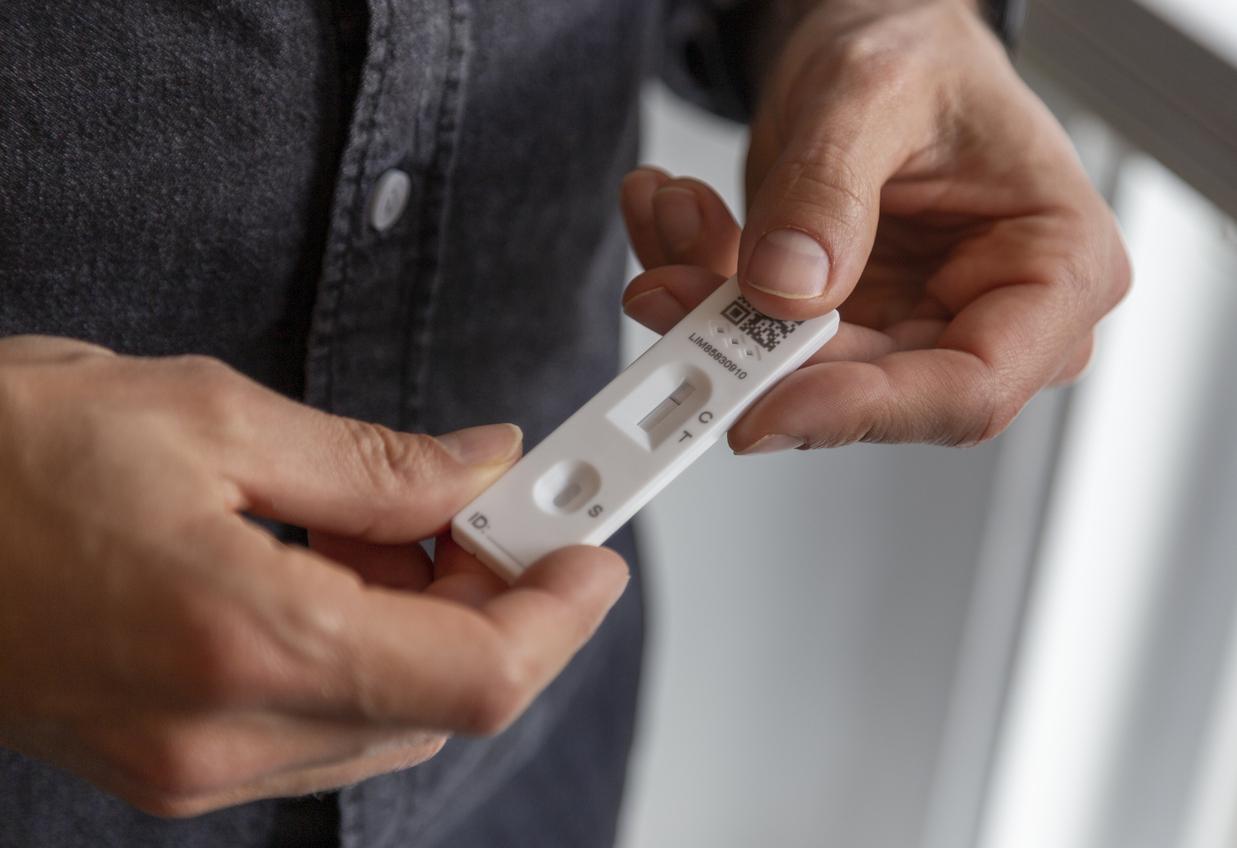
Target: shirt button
x,y
389,199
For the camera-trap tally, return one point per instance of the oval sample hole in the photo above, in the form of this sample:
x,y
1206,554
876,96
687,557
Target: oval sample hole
x,y
567,486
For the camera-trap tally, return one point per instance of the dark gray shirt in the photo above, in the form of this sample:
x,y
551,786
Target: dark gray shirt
x,y
208,176
224,177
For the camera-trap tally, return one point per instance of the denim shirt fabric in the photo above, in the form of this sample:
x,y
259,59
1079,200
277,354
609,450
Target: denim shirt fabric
x,y
196,177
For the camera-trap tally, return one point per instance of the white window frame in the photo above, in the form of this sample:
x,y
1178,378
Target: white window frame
x,y
1133,81
1168,94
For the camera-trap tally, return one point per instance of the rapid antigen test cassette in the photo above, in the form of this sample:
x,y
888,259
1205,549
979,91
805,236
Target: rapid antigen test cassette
x,y
637,434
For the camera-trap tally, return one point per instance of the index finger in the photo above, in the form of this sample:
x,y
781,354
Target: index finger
x,y
989,362
342,476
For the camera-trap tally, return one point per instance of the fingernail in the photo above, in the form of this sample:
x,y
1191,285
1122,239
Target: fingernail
x,y
645,180
656,309
773,443
678,217
650,170
487,445
789,264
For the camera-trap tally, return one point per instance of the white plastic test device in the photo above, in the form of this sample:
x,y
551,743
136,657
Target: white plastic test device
x,y
637,434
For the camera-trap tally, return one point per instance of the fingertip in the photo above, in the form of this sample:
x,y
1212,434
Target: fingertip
x,y
779,416
461,577
636,203
451,558
695,227
771,443
638,186
471,589
613,561
790,275
581,574
687,284
486,445
710,200
647,169
785,309
809,234
655,308
679,220
406,567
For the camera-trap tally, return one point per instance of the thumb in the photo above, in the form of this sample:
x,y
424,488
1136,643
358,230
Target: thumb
x,y
815,208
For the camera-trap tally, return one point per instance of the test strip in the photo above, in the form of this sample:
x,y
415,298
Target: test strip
x,y
667,406
605,462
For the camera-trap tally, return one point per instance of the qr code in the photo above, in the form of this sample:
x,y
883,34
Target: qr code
x,y
760,328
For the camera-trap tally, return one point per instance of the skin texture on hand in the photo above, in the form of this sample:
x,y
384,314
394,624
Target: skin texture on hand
x,y
165,648
900,171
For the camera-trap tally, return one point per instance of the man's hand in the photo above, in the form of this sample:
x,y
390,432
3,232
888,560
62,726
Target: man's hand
x,y
900,171
157,643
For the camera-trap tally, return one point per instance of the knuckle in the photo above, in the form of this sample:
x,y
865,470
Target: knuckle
x,y
216,390
215,663
1078,363
167,807
879,60
28,387
502,699
14,394
871,55
204,371
1096,266
1049,270
167,768
986,400
392,460
1074,371
821,183
883,49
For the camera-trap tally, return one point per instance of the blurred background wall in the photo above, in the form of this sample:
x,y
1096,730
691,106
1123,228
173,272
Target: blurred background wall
x,y
1029,643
